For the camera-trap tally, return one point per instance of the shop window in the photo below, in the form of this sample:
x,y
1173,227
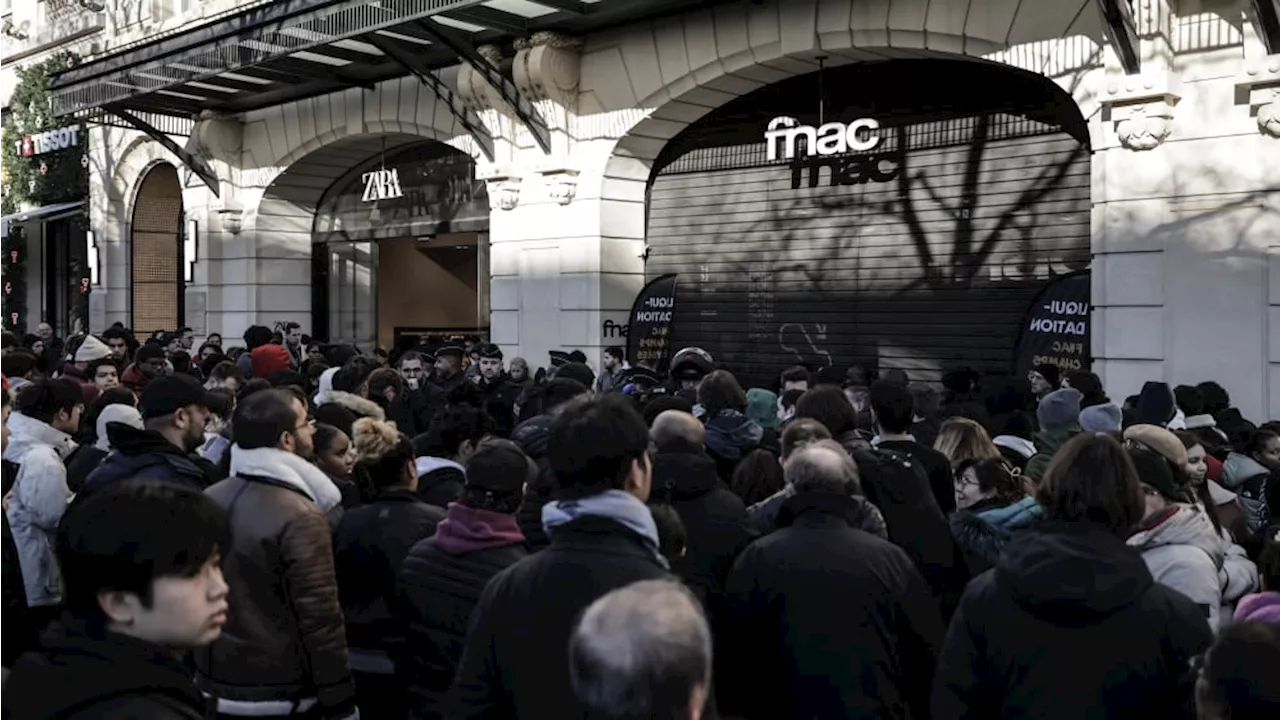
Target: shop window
x,y
156,247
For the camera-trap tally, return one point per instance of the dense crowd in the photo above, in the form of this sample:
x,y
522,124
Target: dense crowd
x,y
292,528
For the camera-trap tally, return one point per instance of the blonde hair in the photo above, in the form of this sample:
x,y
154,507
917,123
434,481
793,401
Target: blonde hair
x,y
962,439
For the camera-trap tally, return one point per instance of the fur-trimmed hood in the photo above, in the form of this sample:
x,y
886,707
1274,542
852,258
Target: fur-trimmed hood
x,y
983,535
356,404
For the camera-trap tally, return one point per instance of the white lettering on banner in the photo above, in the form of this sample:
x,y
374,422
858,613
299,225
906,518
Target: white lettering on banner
x,y
1063,327
381,185
44,142
828,139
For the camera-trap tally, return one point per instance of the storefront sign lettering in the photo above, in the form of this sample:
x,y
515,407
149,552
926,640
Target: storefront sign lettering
x,y
1055,330
41,143
381,185
855,170
828,139
649,332
611,329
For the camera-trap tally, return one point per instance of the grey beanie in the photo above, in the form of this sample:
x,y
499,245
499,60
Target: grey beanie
x,y
1058,409
1101,419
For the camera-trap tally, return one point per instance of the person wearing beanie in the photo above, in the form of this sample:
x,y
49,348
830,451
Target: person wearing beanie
x,y
1156,405
1177,539
1089,385
578,372
265,360
1044,379
762,407
449,371
1101,419
1059,416
444,575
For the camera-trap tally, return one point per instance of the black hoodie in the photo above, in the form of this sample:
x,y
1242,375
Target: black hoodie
x,y
1069,625
147,455
100,676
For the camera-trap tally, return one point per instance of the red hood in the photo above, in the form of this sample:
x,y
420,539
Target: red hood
x,y
134,379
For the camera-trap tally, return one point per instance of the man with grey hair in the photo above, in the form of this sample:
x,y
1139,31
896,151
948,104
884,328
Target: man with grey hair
x,y
861,629
642,651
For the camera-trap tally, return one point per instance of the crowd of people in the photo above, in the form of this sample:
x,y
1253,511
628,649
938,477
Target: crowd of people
x,y
298,529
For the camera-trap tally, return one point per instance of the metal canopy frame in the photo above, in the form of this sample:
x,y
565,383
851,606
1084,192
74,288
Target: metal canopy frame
x,y
1266,15
1122,32
192,161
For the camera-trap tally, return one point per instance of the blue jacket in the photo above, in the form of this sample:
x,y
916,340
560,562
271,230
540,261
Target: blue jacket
x,y
145,455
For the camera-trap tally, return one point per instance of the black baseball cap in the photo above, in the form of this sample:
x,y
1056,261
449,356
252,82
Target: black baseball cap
x,y
499,466
168,393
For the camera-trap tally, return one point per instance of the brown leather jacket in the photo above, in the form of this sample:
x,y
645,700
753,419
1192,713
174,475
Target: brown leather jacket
x,y
284,638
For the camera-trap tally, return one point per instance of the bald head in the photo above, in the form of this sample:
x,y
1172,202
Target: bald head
x,y
642,651
822,466
677,427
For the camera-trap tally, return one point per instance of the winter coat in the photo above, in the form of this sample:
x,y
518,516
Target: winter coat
x,y
443,578
1184,552
1121,642
715,520
1238,576
1260,607
440,481
284,639
360,407
145,455
801,598
369,548
82,463
20,633
79,674
1230,513
608,382
516,662
762,518
532,435
730,435
1248,478
500,398
133,379
1047,444
936,466
982,532
40,497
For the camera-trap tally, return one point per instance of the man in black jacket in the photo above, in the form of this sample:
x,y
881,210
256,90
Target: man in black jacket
x,y
602,537
174,411
714,518
142,567
532,435
826,620
500,394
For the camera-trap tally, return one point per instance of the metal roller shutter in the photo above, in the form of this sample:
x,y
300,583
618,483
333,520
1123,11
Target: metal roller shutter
x,y
928,270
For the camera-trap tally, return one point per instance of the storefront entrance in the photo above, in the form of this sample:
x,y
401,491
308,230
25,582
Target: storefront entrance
x,y
898,214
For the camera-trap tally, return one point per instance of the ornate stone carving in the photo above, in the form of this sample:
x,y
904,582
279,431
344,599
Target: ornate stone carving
x,y
503,186
1260,81
1269,115
562,185
1142,107
1146,127
546,71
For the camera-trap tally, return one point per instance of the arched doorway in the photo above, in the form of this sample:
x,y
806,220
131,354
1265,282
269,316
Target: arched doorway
x,y
156,252
915,240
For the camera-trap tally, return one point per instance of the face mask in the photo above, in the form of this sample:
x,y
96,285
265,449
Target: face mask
x,y
412,383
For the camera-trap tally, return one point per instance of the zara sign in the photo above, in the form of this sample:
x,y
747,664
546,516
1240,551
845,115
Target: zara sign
x,y
381,185
828,139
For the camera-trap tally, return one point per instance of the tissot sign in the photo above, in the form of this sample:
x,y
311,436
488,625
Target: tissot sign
x,y
45,142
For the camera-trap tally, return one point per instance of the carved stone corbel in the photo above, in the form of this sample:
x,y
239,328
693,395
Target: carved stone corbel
x,y
1142,107
503,186
546,71
1261,82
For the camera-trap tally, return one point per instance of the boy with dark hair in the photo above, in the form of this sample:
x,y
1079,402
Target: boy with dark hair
x,y
442,451
893,409
795,378
142,565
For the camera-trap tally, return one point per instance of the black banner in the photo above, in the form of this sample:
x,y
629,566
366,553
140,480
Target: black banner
x,y
649,326
1055,328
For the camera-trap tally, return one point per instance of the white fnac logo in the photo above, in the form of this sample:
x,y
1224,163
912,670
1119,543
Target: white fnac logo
x,y
831,138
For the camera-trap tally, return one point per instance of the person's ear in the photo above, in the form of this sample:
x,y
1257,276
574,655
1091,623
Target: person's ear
x,y
120,607
286,442
466,448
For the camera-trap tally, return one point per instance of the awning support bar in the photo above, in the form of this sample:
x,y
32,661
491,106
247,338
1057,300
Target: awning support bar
x,y
1266,15
461,47
405,59
192,161
1122,31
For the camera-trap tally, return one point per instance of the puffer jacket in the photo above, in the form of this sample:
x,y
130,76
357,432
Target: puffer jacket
x,y
284,640
147,456
1184,552
982,532
1238,576
730,435
1247,478
40,496
532,436
1047,443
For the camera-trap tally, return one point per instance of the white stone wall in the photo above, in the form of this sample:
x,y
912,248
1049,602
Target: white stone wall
x,y
1185,172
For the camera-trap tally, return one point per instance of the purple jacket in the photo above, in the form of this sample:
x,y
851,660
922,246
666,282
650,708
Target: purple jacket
x,y
1262,607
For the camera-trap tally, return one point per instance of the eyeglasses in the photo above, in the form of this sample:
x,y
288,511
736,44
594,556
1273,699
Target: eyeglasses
x,y
307,424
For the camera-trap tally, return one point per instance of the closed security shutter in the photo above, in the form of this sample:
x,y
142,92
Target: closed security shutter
x,y
925,260
156,251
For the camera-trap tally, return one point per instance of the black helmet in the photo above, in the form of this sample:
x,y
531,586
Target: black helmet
x,y
691,363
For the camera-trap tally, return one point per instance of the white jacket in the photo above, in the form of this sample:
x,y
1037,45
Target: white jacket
x,y
1185,553
40,496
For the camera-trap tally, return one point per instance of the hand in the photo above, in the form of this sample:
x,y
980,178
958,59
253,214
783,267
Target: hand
x,y
4,503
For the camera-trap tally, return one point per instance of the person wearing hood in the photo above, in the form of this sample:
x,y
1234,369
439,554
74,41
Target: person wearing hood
x,y
533,436
443,451
175,409
824,620
762,408
348,389
284,649
1176,538
1156,406
1264,605
685,477
1104,419
602,538
266,360
148,364
1070,583
87,458
730,434
1044,379
370,546
144,583
445,574
992,505
1090,387
1247,471
47,412
500,394
1059,417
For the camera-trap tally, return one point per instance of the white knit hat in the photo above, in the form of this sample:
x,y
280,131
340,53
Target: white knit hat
x,y
91,349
